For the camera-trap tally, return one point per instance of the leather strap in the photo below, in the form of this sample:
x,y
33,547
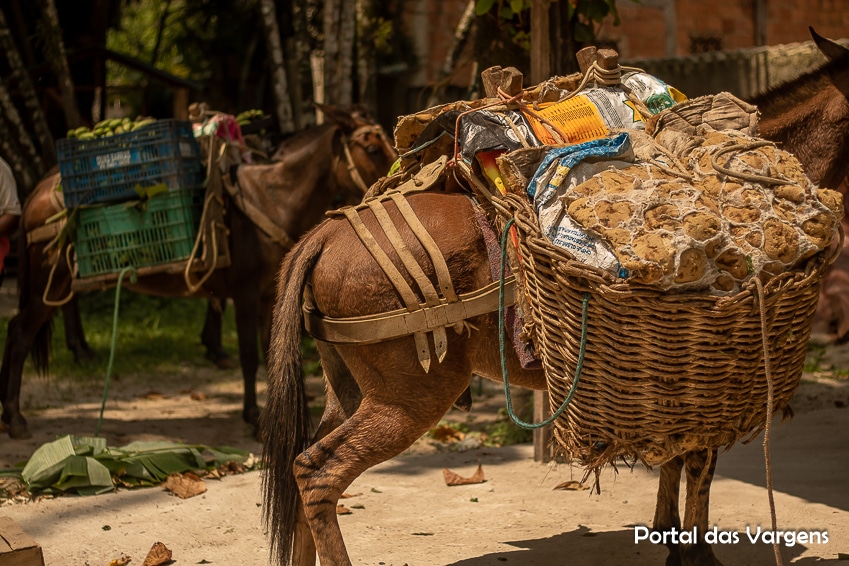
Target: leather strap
x,y
395,277
370,329
442,273
45,232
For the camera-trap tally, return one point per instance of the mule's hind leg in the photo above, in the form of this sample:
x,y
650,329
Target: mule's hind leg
x,y
666,515
382,427
28,331
699,467
337,408
210,335
74,333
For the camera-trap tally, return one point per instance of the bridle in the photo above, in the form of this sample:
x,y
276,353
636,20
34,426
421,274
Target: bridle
x,y
357,137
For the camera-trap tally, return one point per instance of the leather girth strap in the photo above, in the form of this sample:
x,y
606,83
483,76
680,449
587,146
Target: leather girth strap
x,y
441,308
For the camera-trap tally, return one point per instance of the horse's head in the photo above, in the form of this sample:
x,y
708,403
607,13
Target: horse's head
x,y
367,150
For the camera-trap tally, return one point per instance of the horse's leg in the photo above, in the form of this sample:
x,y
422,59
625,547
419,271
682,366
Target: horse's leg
x,y
246,305
382,427
29,330
74,333
666,515
210,336
699,467
337,408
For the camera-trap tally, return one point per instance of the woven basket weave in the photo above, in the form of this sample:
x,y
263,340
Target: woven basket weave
x,y
663,373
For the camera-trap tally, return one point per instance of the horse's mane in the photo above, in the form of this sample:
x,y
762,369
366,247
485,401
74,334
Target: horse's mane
x,y
298,137
792,93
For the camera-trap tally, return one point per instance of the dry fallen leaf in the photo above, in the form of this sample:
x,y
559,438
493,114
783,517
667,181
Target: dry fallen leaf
x,y
123,560
158,555
572,485
346,495
342,510
452,478
185,485
445,433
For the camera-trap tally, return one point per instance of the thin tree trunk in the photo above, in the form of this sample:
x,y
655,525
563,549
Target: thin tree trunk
x,y
296,94
163,18
12,155
278,67
59,61
39,121
13,118
366,60
461,34
339,31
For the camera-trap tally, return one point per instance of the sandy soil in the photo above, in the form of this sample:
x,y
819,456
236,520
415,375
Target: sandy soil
x,y
402,510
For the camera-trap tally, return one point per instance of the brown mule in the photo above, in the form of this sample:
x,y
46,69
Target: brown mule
x,y
379,400
311,177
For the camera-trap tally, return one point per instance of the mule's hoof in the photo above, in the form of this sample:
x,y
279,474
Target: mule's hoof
x,y
83,356
220,359
251,416
19,430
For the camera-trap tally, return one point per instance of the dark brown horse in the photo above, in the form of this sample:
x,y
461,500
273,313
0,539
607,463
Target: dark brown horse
x,y
809,117
311,176
380,400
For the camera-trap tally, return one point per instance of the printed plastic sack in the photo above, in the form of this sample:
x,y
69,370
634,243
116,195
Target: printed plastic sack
x,y
484,131
572,165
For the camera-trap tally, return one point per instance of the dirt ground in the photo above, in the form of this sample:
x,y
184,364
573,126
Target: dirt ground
x,y
402,512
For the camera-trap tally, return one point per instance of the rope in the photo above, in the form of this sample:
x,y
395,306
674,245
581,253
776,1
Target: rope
x,y
59,302
747,176
768,426
213,228
578,367
112,349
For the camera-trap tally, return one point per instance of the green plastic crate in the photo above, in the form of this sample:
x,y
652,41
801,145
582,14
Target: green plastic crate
x,y
138,234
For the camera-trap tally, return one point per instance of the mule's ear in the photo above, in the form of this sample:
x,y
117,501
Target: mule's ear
x,y
829,48
339,117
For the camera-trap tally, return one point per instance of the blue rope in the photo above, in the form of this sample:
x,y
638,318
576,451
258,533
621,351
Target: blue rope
x,y
114,339
501,332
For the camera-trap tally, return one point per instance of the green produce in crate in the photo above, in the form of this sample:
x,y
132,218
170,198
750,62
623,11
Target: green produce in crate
x,y
110,127
246,117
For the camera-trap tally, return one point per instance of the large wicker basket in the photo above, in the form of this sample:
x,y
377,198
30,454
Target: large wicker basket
x,y
663,373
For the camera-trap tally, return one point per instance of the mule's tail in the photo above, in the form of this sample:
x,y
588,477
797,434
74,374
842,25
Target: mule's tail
x,y
285,424
40,350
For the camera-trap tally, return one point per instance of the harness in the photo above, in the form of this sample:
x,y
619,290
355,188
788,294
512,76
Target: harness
x,y
266,224
442,306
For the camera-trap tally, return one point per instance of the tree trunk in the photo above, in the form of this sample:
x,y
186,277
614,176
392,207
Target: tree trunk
x,y
278,67
461,34
59,62
12,154
366,59
339,28
33,106
14,123
163,18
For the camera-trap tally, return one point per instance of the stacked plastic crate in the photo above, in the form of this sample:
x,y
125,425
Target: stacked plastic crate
x,y
107,179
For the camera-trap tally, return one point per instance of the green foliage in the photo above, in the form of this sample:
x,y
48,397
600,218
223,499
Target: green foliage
x,y
154,335
514,16
504,432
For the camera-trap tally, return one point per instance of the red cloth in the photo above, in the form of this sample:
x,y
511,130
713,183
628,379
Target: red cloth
x,y
5,246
